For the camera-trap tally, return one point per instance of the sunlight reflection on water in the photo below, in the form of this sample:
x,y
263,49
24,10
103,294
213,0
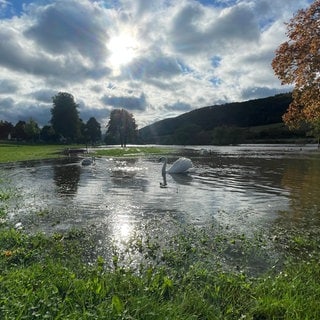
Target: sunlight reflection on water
x,y
243,187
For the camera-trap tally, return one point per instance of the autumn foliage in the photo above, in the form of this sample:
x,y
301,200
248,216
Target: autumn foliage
x,y
297,62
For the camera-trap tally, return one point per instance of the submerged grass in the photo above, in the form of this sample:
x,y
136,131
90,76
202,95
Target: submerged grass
x,y
44,277
133,151
186,277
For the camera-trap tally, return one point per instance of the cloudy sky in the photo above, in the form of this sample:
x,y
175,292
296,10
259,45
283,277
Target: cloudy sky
x,y
157,59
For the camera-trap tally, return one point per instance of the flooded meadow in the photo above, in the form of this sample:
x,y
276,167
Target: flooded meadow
x,y
242,190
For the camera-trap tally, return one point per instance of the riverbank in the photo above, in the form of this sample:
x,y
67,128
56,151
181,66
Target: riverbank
x,y
22,152
10,152
196,273
44,277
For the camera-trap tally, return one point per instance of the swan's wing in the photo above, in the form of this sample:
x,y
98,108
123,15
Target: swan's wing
x,y
181,165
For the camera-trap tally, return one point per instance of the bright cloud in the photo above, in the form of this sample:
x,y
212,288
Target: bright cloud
x,y
155,58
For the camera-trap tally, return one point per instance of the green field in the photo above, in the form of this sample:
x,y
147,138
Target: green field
x,y
16,152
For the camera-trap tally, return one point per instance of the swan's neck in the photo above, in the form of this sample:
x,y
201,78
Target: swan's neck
x,y
164,167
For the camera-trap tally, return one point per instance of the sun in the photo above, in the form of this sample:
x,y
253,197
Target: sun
x,y
123,49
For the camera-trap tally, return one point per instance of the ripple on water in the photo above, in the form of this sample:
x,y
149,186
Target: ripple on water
x,y
232,188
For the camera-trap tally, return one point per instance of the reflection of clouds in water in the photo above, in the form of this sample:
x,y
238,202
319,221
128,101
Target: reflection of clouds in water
x,y
239,185
120,195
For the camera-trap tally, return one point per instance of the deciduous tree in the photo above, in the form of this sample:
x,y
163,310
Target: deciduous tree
x,y
32,130
20,130
6,129
121,127
65,116
297,62
48,134
93,130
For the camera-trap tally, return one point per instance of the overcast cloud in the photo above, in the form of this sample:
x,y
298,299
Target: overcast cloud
x,y
157,59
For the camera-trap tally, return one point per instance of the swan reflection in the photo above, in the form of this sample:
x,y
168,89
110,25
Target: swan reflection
x,y
184,179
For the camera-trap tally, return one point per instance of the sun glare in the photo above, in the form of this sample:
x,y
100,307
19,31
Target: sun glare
x,y
123,49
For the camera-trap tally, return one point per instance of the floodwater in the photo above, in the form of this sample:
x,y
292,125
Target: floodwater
x,y
243,188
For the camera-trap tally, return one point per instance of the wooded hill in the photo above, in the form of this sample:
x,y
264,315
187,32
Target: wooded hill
x,y
257,120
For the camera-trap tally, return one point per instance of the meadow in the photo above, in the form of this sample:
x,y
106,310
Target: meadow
x,y
47,277
23,152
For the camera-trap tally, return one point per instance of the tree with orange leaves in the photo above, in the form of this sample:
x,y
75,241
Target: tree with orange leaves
x,y
297,62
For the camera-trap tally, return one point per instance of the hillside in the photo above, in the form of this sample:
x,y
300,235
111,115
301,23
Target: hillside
x,y
231,121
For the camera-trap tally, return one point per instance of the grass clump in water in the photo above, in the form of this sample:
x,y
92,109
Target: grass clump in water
x,y
44,277
133,151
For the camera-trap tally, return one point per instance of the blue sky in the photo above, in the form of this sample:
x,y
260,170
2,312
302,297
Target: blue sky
x,y
157,59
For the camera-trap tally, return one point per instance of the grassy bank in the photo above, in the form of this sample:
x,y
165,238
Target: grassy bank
x,y
187,277
22,152
44,278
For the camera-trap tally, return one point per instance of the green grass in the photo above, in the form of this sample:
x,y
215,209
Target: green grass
x,y
184,277
44,278
16,152
22,152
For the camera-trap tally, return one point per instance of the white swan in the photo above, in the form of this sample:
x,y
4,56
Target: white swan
x,y
204,152
182,165
88,161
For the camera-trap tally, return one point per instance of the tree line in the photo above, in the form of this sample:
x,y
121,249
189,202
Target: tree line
x,y
66,126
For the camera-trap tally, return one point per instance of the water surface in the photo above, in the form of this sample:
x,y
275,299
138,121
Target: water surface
x,y
243,188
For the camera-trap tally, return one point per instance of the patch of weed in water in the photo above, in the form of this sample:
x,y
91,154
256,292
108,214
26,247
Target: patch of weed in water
x,y
43,277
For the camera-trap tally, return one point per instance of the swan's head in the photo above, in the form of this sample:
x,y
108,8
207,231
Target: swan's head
x,y
162,159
